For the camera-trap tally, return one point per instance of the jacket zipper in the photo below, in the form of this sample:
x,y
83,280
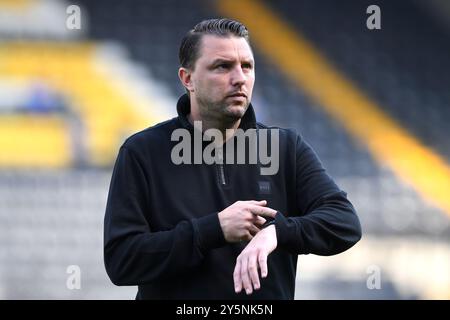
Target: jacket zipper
x,y
222,175
221,169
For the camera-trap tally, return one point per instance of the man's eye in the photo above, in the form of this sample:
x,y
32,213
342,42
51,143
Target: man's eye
x,y
222,66
247,66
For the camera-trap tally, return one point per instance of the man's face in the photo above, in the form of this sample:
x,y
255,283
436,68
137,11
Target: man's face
x,y
223,78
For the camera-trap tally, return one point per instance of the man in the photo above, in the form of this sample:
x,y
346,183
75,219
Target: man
x,y
221,230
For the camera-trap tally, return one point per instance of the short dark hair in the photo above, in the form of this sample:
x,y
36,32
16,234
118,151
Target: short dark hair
x,y
190,44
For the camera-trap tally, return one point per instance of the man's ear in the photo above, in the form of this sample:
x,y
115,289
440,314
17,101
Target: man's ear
x,y
185,77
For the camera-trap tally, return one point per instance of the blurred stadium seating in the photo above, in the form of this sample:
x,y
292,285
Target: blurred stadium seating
x,y
68,98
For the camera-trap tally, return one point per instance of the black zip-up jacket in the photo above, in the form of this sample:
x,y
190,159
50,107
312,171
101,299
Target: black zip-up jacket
x,y
162,231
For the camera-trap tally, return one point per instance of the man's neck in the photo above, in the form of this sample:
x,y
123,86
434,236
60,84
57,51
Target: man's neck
x,y
227,128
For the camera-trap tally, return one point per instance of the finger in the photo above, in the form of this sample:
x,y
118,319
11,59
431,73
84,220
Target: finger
x,y
258,220
263,211
253,230
257,203
237,277
253,270
262,261
247,236
245,277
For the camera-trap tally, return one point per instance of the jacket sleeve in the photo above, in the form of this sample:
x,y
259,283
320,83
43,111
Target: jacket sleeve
x,y
135,255
327,223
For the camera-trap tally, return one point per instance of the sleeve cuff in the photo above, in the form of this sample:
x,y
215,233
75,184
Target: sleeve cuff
x,y
283,227
208,232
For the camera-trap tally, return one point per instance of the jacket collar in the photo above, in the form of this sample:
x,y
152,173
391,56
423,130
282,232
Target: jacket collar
x,y
184,108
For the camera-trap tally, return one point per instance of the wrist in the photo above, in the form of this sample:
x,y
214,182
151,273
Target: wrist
x,y
270,233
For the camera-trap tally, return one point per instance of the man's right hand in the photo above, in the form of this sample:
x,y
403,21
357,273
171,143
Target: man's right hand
x,y
242,220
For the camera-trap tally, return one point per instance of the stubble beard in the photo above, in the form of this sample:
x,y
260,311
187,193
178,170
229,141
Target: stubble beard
x,y
221,112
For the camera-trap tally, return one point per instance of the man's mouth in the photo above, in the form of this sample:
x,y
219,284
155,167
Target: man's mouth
x,y
238,94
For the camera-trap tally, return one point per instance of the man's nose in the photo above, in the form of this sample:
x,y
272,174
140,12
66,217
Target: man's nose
x,y
238,76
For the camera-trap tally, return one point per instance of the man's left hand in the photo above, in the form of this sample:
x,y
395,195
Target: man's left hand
x,y
254,256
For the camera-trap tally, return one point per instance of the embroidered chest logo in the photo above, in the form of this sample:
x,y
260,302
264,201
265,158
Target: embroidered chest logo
x,y
264,187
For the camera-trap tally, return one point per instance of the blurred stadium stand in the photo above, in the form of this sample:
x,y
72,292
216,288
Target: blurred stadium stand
x,y
68,98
